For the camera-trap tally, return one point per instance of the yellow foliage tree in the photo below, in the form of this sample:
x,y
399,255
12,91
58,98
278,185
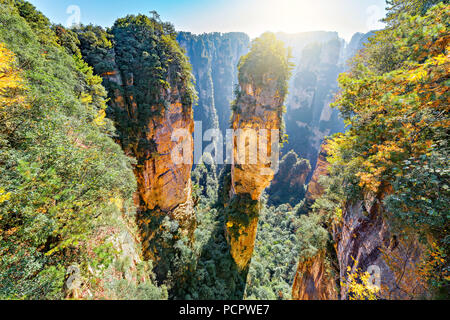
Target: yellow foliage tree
x,y
10,81
359,286
4,196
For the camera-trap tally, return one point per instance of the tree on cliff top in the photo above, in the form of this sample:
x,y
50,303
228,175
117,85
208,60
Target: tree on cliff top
x,y
268,59
143,52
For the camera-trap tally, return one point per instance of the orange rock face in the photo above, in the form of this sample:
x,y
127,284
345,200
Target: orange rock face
x,y
163,183
315,190
251,172
253,167
313,282
162,144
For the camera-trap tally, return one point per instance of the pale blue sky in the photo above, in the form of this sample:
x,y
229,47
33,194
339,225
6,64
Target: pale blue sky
x,y
251,16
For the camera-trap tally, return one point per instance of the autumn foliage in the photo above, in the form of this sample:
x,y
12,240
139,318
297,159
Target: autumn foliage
x,y
395,101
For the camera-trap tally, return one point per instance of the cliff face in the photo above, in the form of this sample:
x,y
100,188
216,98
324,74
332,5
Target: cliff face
x,y
315,190
356,43
364,243
320,58
151,96
263,76
310,117
162,183
288,186
214,58
258,109
312,280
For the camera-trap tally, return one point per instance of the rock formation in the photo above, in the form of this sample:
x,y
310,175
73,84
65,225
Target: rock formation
x,y
362,242
309,117
320,57
151,93
263,76
288,186
214,58
315,190
313,281
257,109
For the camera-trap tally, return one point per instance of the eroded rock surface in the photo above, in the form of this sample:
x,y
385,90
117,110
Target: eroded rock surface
x,y
364,243
256,122
313,280
315,190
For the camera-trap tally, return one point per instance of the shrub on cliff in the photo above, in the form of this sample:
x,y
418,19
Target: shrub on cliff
x,y
395,100
61,174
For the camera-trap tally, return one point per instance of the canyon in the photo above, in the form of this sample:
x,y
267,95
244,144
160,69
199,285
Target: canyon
x,y
165,188
334,185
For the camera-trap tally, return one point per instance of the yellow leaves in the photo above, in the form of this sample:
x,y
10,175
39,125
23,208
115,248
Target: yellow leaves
x,y
441,59
100,119
337,143
7,59
10,81
118,202
41,210
4,196
10,232
339,214
428,144
86,98
230,224
417,75
359,286
377,161
433,263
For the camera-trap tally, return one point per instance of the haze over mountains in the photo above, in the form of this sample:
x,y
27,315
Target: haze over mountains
x,y
319,58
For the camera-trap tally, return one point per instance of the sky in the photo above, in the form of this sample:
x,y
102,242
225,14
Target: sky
x,y
253,17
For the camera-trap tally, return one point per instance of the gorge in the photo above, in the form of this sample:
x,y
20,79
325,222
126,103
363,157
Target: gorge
x,y
345,197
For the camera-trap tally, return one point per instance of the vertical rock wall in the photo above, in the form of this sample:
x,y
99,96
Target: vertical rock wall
x,y
258,109
151,91
363,242
314,279
214,58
